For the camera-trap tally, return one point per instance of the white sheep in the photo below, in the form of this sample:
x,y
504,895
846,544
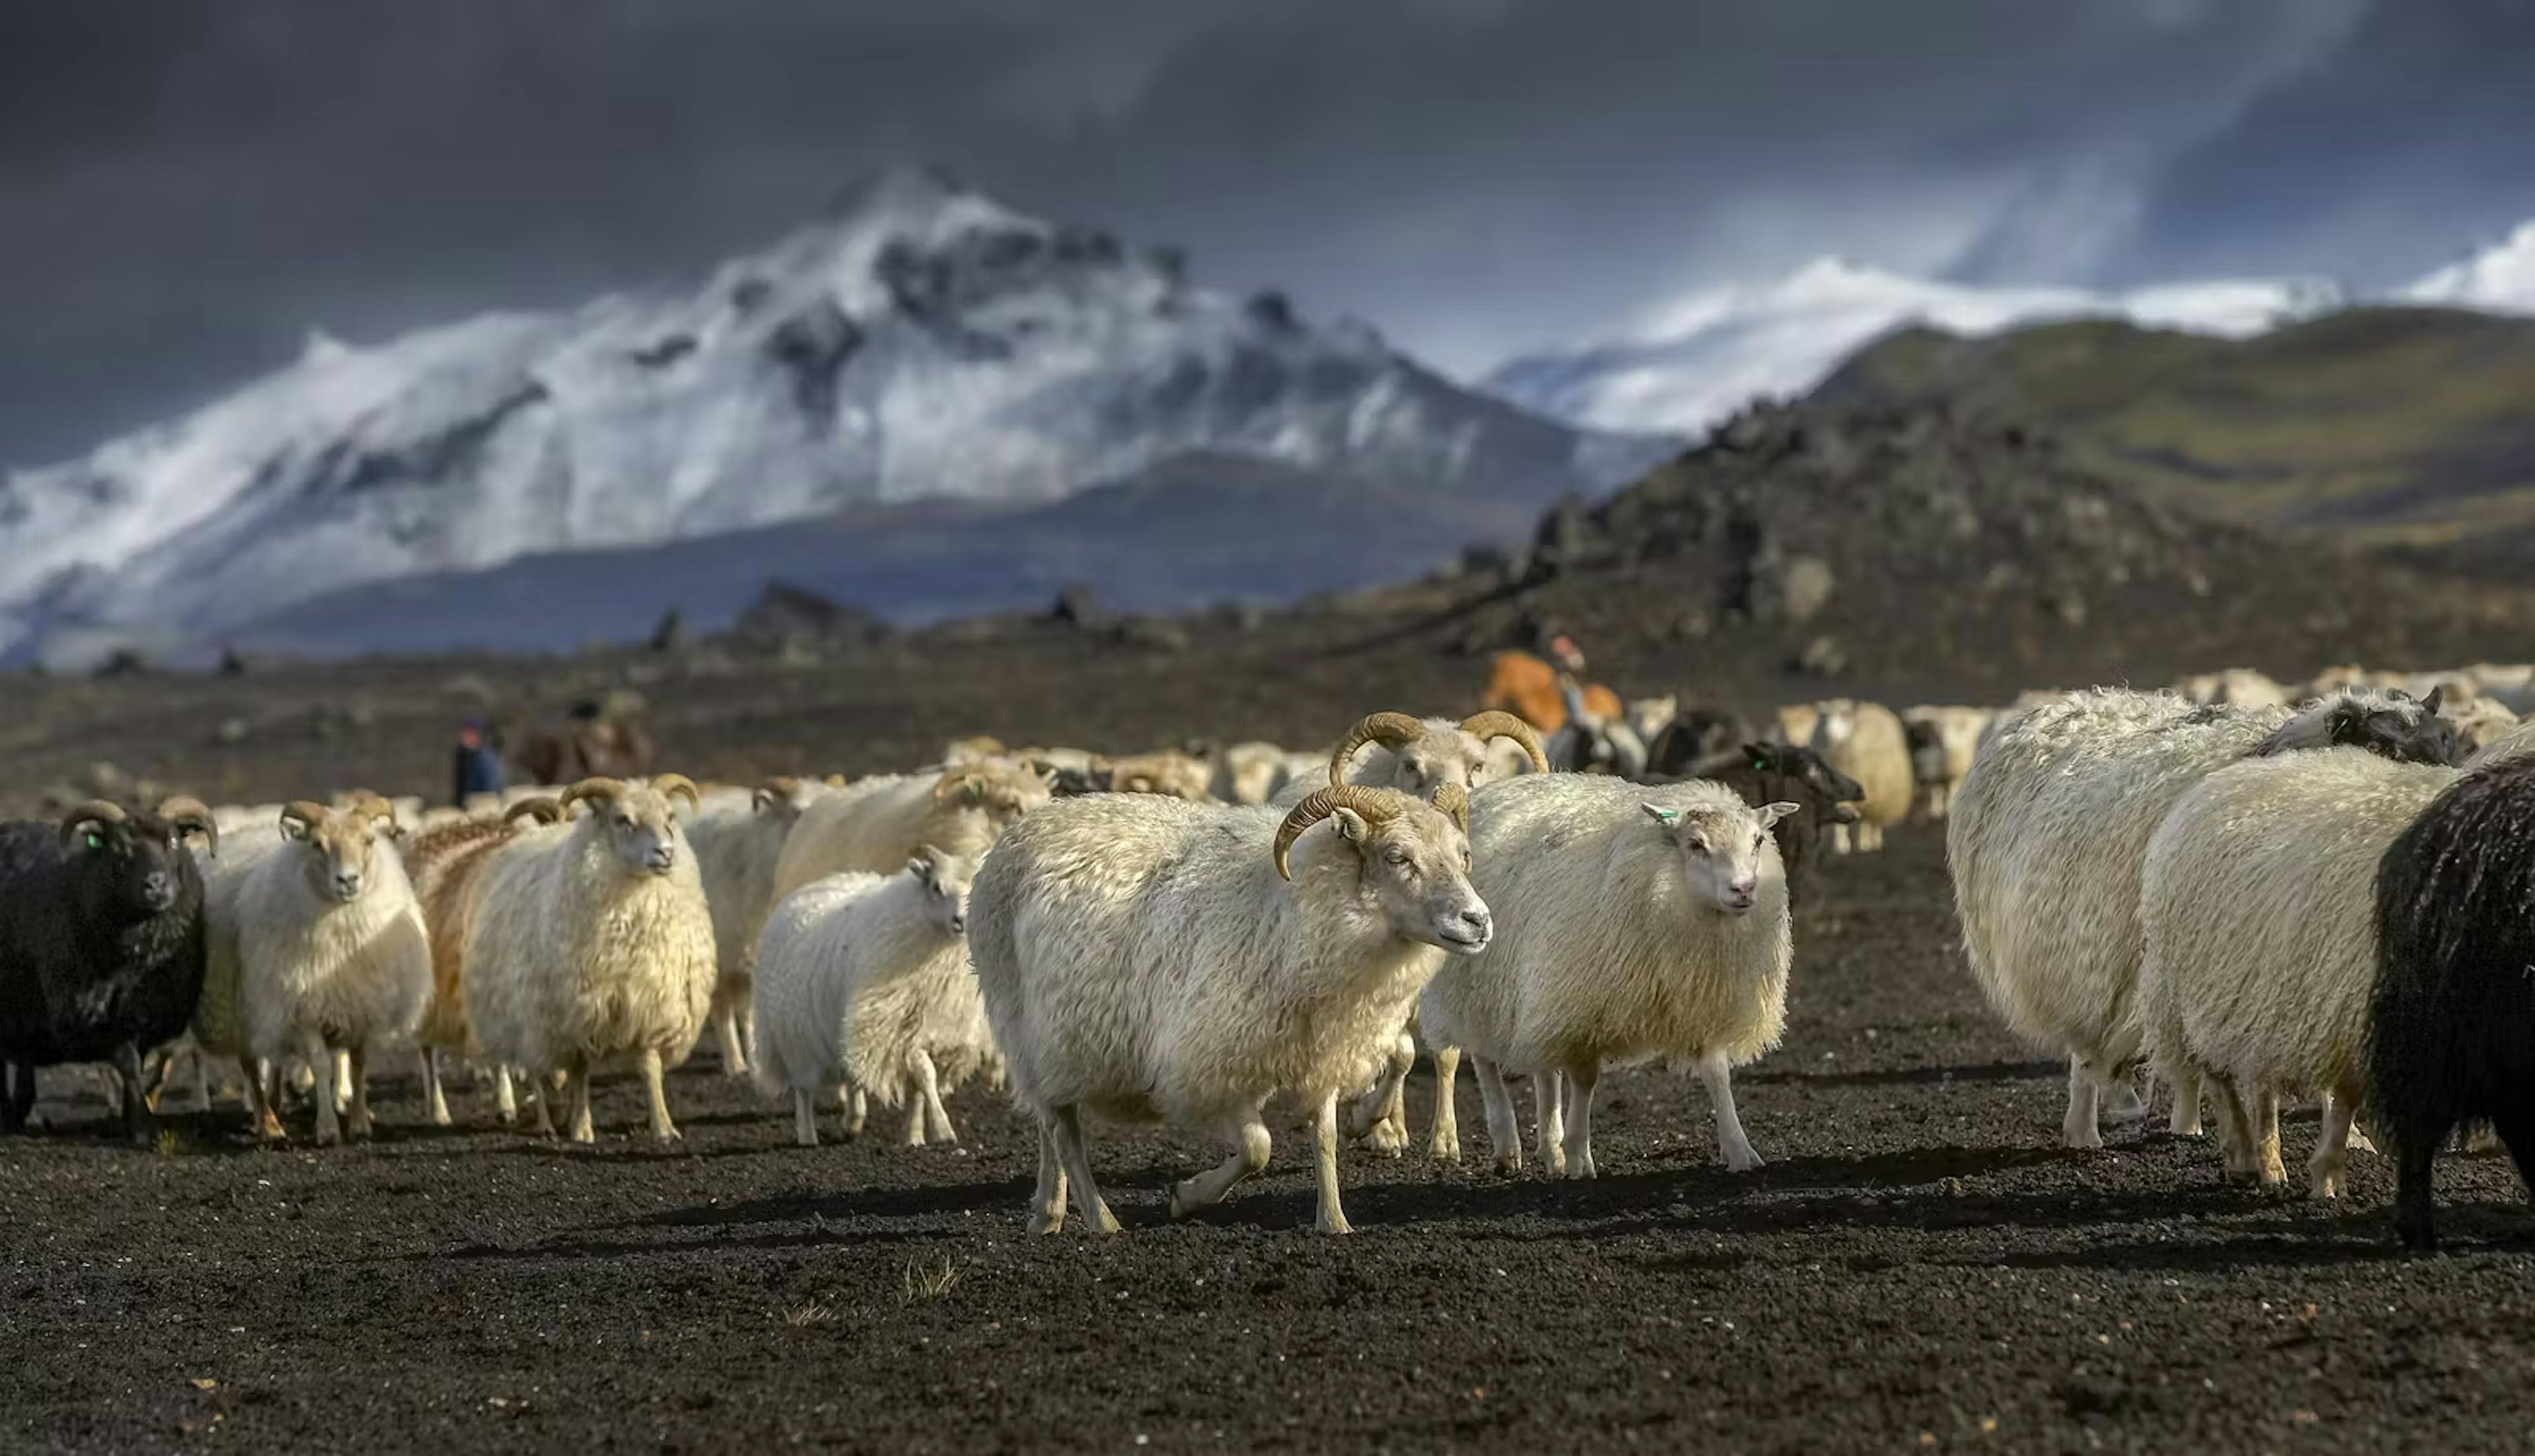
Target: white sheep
x,y
2258,927
1246,772
1865,742
330,944
2049,833
873,826
1416,756
1641,922
1956,732
440,863
1146,960
590,940
863,982
738,840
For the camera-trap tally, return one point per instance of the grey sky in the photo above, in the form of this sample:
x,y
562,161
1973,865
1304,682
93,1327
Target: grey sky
x,y
186,186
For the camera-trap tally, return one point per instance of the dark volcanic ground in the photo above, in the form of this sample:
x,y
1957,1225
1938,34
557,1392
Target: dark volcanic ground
x,y
1918,1265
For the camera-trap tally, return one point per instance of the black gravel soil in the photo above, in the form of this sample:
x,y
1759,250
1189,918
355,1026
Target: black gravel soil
x,y
1919,1265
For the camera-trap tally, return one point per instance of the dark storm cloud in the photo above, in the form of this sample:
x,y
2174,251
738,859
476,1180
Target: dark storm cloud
x,y
186,186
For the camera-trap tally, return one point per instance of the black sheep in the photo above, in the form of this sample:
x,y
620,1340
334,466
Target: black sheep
x,y
1696,734
1778,772
100,945
2453,1035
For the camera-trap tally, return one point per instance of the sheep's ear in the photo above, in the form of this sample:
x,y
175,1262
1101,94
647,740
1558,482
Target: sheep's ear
x,y
1350,824
1771,813
761,801
294,827
2430,704
1663,816
920,866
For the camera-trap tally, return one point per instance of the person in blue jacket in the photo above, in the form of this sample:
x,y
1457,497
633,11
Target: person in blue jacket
x,y
479,760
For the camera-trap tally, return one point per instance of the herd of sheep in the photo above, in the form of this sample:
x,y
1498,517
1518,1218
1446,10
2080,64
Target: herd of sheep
x,y
2257,892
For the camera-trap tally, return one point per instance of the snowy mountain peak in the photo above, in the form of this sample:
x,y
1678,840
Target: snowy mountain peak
x,y
918,340
2501,279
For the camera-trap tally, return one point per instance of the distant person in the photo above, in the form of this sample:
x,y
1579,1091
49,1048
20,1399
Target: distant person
x,y
598,740
478,767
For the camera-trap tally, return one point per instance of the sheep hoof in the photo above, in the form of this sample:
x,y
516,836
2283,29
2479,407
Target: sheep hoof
x,y
329,1139
1444,1152
1108,1222
1332,1222
1042,1224
1510,1167
1742,1162
1387,1137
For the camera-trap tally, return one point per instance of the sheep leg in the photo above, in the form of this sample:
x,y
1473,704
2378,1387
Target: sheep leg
x,y
16,1095
663,1130
435,1101
158,1066
260,1098
937,1117
506,1103
2079,1128
1444,1132
2416,1150
2186,1122
914,1135
1250,1149
1331,1219
343,1083
2331,1149
2268,1138
1047,1200
1549,1117
2242,1157
357,1061
1379,1116
545,1121
201,1081
1076,1150
1505,1133
1840,839
856,1104
573,1100
322,1105
805,1118
137,1119
735,1061
1580,1119
1731,1144
2125,1104
747,1031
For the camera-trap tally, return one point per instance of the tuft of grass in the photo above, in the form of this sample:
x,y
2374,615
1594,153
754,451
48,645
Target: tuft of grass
x,y
804,1316
170,1142
923,1282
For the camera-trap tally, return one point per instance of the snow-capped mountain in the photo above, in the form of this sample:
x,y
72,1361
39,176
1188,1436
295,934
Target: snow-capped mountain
x,y
1700,358
2499,279
921,341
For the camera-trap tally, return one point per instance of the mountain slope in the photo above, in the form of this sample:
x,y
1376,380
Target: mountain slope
x,y
921,343
2394,424
1698,359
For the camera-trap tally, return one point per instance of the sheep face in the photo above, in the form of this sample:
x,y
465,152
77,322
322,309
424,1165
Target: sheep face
x,y
1839,791
2389,724
334,847
1000,789
1417,869
130,865
641,830
1836,722
1721,851
1450,756
946,879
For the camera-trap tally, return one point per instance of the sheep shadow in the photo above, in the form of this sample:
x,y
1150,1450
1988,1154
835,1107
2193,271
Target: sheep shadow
x,y
1907,1076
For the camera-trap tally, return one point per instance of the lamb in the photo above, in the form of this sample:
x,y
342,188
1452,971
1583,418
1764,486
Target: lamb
x,y
100,945
2048,836
1865,741
2259,940
330,946
441,865
2451,1034
863,981
737,848
590,940
1773,773
1643,923
1954,733
1139,962
874,825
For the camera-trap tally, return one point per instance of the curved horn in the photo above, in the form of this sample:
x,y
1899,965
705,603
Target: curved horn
x,y
368,804
545,809
1453,801
1498,723
185,812
777,789
306,813
597,789
89,812
682,786
1318,804
1390,730
836,780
